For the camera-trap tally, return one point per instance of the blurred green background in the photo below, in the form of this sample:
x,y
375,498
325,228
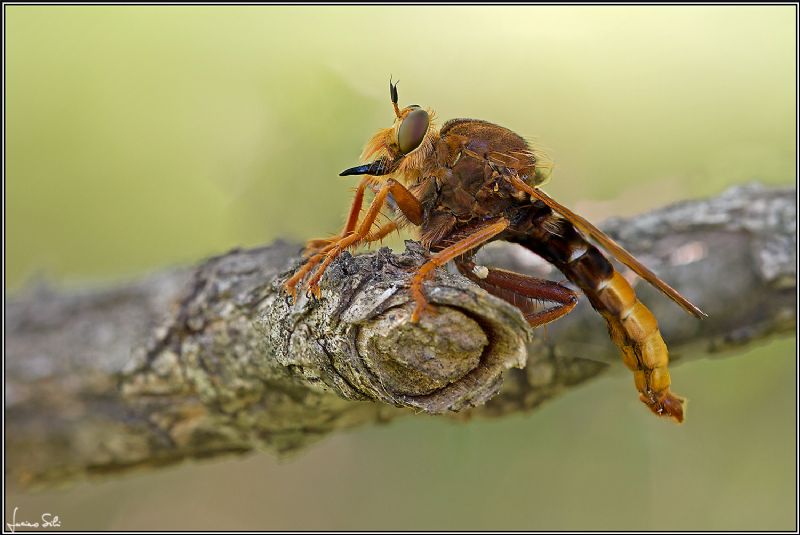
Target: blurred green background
x,y
144,137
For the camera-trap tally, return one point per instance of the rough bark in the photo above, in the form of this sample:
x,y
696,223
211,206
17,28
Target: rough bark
x,y
213,360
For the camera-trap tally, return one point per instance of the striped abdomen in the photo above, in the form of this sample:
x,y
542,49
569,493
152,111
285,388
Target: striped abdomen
x,y
632,327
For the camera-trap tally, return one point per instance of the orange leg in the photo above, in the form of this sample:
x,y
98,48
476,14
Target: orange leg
x,y
405,200
381,232
376,235
481,235
407,203
313,246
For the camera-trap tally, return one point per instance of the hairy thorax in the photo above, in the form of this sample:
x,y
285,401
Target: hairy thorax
x,y
464,187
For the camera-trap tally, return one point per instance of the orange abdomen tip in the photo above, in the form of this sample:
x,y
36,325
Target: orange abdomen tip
x,y
665,404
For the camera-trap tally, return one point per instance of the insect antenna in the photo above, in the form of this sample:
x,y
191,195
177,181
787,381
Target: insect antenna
x,y
393,95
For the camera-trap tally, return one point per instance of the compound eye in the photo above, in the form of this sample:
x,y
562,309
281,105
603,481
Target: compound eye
x,y
412,130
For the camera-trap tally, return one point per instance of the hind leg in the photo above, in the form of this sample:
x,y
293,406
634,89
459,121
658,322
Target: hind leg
x,y
540,301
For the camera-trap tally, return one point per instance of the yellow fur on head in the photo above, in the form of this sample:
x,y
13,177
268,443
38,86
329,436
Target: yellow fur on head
x,y
378,146
384,144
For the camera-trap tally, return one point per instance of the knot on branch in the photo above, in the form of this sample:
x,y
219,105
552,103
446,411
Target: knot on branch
x,y
364,346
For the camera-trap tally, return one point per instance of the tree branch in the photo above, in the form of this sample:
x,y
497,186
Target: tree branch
x,y
209,361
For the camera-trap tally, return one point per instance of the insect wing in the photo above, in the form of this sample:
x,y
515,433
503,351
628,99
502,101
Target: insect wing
x,y
611,246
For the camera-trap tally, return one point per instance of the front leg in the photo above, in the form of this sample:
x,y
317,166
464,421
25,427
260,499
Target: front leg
x,y
406,202
316,245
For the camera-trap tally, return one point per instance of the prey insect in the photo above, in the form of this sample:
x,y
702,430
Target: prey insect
x,y
471,182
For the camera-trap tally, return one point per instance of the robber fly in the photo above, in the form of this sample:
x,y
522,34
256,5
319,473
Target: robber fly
x,y
471,182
